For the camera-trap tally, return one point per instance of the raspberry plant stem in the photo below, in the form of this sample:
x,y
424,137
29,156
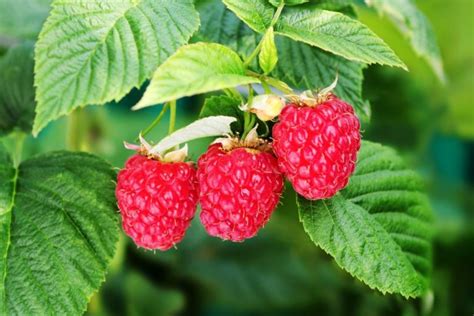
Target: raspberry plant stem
x,y
19,141
253,120
280,85
267,130
156,121
249,118
14,146
249,123
236,94
250,96
277,14
266,88
172,105
228,93
257,49
254,54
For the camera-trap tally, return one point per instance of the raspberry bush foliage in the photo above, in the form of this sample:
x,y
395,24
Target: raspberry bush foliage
x,y
282,88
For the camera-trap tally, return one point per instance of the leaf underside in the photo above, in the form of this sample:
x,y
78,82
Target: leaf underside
x,y
379,227
205,127
58,232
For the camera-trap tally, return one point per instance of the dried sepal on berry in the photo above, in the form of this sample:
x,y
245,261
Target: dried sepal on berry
x,y
146,149
313,98
250,142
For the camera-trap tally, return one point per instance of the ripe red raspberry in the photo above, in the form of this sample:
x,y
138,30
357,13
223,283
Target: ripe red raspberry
x,y
316,146
157,200
239,190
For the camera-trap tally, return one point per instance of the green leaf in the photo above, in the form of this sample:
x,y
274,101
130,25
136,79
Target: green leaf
x,y
257,14
8,176
276,3
205,127
268,56
22,19
301,65
195,69
307,67
378,228
333,5
336,33
92,51
17,94
58,231
220,25
415,26
328,30
343,6
224,105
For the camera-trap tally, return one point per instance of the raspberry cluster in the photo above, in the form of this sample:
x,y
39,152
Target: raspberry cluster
x,y
239,181
157,200
317,146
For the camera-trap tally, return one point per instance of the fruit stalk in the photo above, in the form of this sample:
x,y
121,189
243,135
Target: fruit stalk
x,y
19,141
257,49
172,117
156,121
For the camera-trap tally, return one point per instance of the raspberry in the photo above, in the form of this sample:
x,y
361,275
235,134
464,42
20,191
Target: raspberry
x,y
157,201
239,190
317,146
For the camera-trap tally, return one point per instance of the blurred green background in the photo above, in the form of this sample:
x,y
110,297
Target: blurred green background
x,y
280,272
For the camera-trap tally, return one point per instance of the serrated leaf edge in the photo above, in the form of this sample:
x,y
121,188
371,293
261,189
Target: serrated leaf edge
x,y
10,209
38,128
384,292
143,102
397,61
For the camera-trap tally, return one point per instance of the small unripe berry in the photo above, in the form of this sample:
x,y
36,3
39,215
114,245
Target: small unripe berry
x,y
266,106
